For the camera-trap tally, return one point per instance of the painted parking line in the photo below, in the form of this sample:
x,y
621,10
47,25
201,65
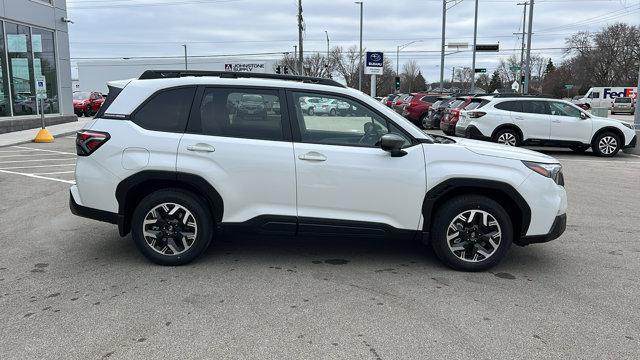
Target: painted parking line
x,y
35,166
34,160
44,150
36,154
54,173
38,176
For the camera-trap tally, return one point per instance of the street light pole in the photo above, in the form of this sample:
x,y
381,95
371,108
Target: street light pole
x,y
185,56
300,28
473,62
360,58
524,23
636,120
327,63
444,22
527,74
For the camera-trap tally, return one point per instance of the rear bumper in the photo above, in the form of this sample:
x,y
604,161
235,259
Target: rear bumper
x,y
471,132
557,229
91,213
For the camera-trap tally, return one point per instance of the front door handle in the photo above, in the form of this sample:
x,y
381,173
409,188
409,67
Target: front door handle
x,y
555,121
201,147
519,118
312,156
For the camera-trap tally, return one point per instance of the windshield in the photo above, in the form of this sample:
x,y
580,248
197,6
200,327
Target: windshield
x,y
81,95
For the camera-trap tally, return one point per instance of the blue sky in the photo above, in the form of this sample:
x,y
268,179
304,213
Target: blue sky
x,y
134,28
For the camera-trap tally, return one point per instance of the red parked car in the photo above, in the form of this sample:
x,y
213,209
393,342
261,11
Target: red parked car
x,y
452,114
87,103
390,99
418,108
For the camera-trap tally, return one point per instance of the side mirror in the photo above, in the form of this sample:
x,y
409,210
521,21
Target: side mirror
x,y
583,116
393,144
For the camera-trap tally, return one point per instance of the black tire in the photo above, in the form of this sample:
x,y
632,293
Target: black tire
x,y
606,144
332,112
422,121
310,111
448,212
87,112
507,136
580,149
201,215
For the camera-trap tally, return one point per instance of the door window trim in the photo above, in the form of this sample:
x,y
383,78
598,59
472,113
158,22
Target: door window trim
x,y
295,125
194,125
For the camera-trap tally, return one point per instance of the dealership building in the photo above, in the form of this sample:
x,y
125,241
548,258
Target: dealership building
x,y
34,45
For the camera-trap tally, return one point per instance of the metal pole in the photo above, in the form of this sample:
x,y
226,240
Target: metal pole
x,y
373,85
527,75
524,23
636,120
295,58
444,22
185,56
300,55
453,75
473,62
360,63
42,112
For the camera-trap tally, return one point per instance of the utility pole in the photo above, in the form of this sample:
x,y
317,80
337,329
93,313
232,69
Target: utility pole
x,y
295,58
473,62
453,75
444,22
185,56
327,63
300,29
637,117
527,74
524,24
360,63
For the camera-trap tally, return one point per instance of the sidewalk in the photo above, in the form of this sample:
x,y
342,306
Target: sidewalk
x,y
26,136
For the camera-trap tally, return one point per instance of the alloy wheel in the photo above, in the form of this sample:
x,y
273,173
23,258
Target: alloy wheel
x,y
507,139
608,145
474,235
169,229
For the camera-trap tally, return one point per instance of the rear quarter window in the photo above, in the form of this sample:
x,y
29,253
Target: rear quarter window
x,y
166,111
509,106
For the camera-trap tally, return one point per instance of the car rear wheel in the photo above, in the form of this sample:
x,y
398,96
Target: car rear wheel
x,y
606,144
332,112
471,233
424,122
172,227
508,137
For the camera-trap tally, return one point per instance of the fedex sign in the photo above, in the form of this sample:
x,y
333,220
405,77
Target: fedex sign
x,y
626,92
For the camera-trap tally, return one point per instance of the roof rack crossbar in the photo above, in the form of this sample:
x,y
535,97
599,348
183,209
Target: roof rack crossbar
x,y
166,74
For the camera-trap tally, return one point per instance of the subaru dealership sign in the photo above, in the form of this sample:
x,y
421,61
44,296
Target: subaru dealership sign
x,y
374,63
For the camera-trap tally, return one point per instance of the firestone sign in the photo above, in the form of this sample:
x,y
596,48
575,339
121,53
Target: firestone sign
x,y
245,67
374,63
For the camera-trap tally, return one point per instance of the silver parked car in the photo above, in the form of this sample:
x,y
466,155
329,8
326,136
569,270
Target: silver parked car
x,y
623,105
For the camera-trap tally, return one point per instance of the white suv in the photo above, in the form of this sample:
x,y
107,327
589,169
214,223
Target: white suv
x,y
171,159
538,121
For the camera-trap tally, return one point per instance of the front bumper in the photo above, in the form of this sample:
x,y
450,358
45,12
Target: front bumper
x,y
557,229
632,144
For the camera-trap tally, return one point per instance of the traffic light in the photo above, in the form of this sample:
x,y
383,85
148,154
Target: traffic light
x,y
278,69
397,82
522,78
286,69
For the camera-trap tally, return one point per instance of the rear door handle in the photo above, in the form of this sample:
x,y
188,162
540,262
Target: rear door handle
x,y
312,156
519,118
555,121
200,147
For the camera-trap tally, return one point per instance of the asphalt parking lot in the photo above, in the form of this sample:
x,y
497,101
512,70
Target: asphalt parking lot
x,y
71,288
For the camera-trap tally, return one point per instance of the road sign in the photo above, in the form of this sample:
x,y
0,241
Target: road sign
x,y
487,47
374,63
515,86
458,46
568,86
481,70
515,68
41,88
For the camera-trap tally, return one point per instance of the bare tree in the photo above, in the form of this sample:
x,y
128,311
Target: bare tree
x,y
410,71
464,76
313,65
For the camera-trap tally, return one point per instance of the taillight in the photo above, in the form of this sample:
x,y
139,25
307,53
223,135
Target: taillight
x,y
476,114
88,141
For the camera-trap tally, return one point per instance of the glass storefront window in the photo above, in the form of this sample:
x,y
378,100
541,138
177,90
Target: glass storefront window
x,y
21,75
5,104
44,66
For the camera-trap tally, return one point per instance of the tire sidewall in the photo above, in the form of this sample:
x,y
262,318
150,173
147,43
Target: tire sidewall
x,y
508,130
596,142
198,209
449,211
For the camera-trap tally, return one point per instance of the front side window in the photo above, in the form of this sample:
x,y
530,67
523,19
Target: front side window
x,y
166,111
562,109
595,95
242,113
341,121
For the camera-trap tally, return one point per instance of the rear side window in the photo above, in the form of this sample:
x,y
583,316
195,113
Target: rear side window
x,y
534,107
509,106
242,113
166,111
476,104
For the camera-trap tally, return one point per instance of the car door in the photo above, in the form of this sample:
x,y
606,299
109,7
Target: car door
x,y
567,123
345,181
245,155
533,119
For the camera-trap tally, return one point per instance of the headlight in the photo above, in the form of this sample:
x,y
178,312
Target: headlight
x,y
552,171
630,126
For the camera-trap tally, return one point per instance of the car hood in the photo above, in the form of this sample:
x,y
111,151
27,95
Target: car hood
x,y
503,151
78,102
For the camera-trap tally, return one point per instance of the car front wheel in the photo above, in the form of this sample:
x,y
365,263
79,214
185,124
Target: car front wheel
x,y
606,144
471,233
172,227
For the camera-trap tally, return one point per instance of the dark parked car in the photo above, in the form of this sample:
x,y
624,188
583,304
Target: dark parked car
x,y
417,109
452,114
436,112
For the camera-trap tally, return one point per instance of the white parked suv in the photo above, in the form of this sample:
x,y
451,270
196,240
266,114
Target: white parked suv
x,y
169,159
549,122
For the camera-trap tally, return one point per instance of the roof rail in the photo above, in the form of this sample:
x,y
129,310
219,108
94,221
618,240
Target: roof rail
x,y
166,74
517,95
